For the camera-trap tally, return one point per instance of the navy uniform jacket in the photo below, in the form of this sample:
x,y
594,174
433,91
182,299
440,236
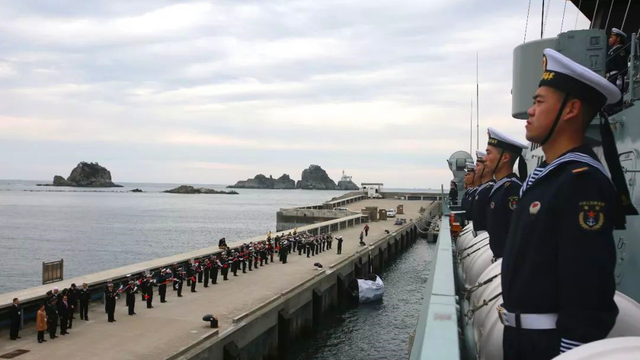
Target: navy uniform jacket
x,y
469,209
480,206
560,253
616,59
503,199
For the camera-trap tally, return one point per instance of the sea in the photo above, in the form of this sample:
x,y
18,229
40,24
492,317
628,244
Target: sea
x,y
100,229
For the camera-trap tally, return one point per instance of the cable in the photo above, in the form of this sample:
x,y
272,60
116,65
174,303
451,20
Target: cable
x,y
546,17
575,26
563,11
606,25
595,9
527,23
625,15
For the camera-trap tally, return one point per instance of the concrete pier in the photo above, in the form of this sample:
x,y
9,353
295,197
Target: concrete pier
x,y
259,313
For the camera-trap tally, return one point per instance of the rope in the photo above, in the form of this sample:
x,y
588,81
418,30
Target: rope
x,y
474,288
544,28
484,303
609,15
474,251
575,26
595,9
625,15
472,245
563,11
526,25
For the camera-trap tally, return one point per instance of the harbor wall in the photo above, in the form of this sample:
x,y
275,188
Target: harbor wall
x,y
266,331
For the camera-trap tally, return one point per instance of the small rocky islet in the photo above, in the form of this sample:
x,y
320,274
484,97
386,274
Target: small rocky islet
x,y
188,189
85,174
312,178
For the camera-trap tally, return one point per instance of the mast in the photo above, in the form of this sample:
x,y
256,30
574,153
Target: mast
x,y
542,21
477,107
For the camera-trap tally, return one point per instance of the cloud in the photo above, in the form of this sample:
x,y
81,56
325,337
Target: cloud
x,y
380,89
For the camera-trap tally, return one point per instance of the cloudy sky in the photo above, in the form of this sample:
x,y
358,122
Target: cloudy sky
x,y
214,92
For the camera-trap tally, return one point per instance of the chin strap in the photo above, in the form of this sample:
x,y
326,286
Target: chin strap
x,y
555,122
498,163
522,168
624,206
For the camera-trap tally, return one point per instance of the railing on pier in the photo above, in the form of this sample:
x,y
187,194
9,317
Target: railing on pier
x,y
436,336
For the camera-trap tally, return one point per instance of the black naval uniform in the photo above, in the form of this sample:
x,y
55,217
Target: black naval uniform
x,y
560,257
15,315
616,65
339,246
162,287
480,207
131,299
110,300
503,199
469,208
84,296
214,271
179,281
147,290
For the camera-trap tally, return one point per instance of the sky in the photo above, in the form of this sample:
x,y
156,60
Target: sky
x,y
215,92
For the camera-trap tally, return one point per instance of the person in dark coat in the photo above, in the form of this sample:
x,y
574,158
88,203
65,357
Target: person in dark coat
x,y
51,308
147,289
73,302
162,285
84,296
339,238
110,299
15,316
179,281
64,312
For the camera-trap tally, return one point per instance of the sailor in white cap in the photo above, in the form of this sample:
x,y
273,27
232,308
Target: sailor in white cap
x,y
559,258
469,187
616,65
502,153
480,203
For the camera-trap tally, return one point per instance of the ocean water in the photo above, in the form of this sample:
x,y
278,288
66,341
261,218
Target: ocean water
x,y
100,229
377,330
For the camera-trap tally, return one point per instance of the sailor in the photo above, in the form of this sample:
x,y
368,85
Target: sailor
x,y
110,300
147,290
162,285
616,65
131,291
191,276
474,189
502,153
199,271
480,204
558,267
243,259
468,187
225,268
339,238
215,266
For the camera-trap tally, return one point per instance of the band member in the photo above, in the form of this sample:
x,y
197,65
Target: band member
x,y
179,281
147,290
215,266
131,291
199,271
206,269
162,285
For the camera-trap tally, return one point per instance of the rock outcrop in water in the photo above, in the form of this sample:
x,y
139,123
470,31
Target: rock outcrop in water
x,y
188,189
262,182
347,185
315,178
85,175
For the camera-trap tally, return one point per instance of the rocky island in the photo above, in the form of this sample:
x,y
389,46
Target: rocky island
x,y
188,189
315,178
262,182
85,175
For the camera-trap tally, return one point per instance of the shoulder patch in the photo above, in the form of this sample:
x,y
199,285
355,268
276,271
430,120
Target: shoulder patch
x,y
579,170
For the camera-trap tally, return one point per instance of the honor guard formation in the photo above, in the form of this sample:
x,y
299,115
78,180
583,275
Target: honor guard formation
x,y
60,307
553,228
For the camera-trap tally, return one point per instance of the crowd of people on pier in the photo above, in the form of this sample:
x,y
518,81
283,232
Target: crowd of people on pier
x,y
60,307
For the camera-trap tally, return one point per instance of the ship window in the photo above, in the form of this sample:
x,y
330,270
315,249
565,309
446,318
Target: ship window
x,y
594,41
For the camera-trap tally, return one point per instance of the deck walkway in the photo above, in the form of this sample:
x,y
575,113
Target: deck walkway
x,y
167,328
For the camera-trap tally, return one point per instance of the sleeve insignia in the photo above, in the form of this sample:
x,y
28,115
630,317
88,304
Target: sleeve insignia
x,y
575,171
513,202
591,216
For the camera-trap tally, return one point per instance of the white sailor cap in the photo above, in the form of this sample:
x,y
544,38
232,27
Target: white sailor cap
x,y
480,155
618,32
562,73
505,142
470,167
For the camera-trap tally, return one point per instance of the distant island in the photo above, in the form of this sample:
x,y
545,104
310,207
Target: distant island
x,y
262,182
188,189
85,175
313,178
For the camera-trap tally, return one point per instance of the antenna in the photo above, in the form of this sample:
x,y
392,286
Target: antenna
x,y
471,129
477,106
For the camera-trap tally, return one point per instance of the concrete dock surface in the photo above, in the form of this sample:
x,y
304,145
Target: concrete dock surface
x,y
167,328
